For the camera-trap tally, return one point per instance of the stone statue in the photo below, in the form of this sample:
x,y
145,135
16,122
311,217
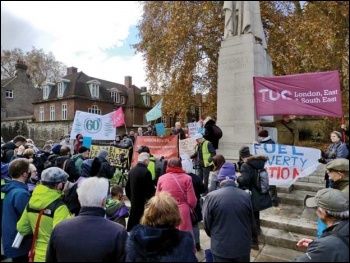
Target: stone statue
x,y
243,17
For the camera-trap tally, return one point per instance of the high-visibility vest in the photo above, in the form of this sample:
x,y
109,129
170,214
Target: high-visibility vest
x,y
206,154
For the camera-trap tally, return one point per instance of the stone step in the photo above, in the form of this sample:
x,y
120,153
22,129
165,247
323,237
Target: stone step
x,y
290,218
271,253
296,197
319,178
282,238
307,186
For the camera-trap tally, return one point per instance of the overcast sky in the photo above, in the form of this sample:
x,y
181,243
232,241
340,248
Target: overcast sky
x,y
93,36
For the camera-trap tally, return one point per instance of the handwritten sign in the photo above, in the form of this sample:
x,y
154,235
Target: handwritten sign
x,y
113,155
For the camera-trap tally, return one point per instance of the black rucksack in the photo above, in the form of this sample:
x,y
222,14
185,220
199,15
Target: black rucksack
x,y
261,180
71,200
217,132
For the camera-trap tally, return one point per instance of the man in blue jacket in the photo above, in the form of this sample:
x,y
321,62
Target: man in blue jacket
x,y
16,198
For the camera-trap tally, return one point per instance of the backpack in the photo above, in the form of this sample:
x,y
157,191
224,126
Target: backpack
x,y
217,132
261,180
71,200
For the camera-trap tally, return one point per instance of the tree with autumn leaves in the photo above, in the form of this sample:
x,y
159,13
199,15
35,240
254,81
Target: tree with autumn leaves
x,y
180,42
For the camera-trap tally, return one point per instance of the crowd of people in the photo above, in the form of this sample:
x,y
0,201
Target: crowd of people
x,y
57,196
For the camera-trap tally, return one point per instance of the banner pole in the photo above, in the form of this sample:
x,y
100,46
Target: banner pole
x,y
343,131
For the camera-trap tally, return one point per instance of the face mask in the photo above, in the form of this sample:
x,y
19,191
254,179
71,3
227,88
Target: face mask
x,y
67,139
80,140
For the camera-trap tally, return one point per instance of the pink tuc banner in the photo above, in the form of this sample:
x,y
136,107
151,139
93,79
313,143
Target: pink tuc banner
x,y
316,94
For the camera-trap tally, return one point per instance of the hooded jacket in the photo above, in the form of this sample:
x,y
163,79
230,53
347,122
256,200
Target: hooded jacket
x,y
159,244
246,181
8,148
41,198
15,201
69,168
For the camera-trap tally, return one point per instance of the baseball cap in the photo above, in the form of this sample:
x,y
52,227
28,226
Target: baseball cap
x,y
53,175
339,165
329,199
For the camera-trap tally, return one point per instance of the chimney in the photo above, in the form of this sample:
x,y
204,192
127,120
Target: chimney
x,y
21,64
128,82
72,70
144,89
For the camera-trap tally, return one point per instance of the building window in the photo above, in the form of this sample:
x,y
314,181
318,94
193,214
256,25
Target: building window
x,y
9,94
146,100
164,120
115,95
61,86
46,90
64,111
41,114
52,113
94,87
123,100
94,109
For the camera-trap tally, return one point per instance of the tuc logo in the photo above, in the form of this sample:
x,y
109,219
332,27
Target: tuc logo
x,y
275,95
93,125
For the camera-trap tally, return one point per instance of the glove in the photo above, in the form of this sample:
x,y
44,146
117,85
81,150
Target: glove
x,y
322,160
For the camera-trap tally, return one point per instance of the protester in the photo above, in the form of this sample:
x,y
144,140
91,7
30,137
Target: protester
x,y
263,137
179,185
152,163
67,142
203,157
106,169
116,141
46,197
65,162
332,207
139,131
211,133
88,237
132,136
116,209
337,149
15,200
139,189
177,130
83,154
78,142
9,148
246,182
55,153
228,219
287,130
199,188
345,129
150,131
218,161
157,239
33,179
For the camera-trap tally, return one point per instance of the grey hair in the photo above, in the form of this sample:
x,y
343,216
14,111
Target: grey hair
x,y
143,157
336,215
92,191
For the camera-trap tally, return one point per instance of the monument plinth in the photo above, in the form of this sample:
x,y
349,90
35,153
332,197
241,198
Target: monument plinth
x,y
241,58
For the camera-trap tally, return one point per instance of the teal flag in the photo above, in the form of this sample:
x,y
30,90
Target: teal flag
x,y
155,113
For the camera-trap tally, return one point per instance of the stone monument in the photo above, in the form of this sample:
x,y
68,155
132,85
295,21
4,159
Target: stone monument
x,y
242,56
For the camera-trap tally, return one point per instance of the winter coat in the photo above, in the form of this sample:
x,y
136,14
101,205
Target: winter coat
x,y
78,161
213,181
117,211
180,132
41,198
284,135
246,182
162,244
15,201
209,134
8,149
167,183
329,247
267,140
228,219
69,167
335,151
139,189
199,188
88,237
106,170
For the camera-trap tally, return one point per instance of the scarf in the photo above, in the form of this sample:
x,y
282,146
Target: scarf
x,y
174,170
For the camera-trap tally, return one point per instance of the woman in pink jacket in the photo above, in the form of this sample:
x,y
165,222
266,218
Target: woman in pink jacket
x,y
179,185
